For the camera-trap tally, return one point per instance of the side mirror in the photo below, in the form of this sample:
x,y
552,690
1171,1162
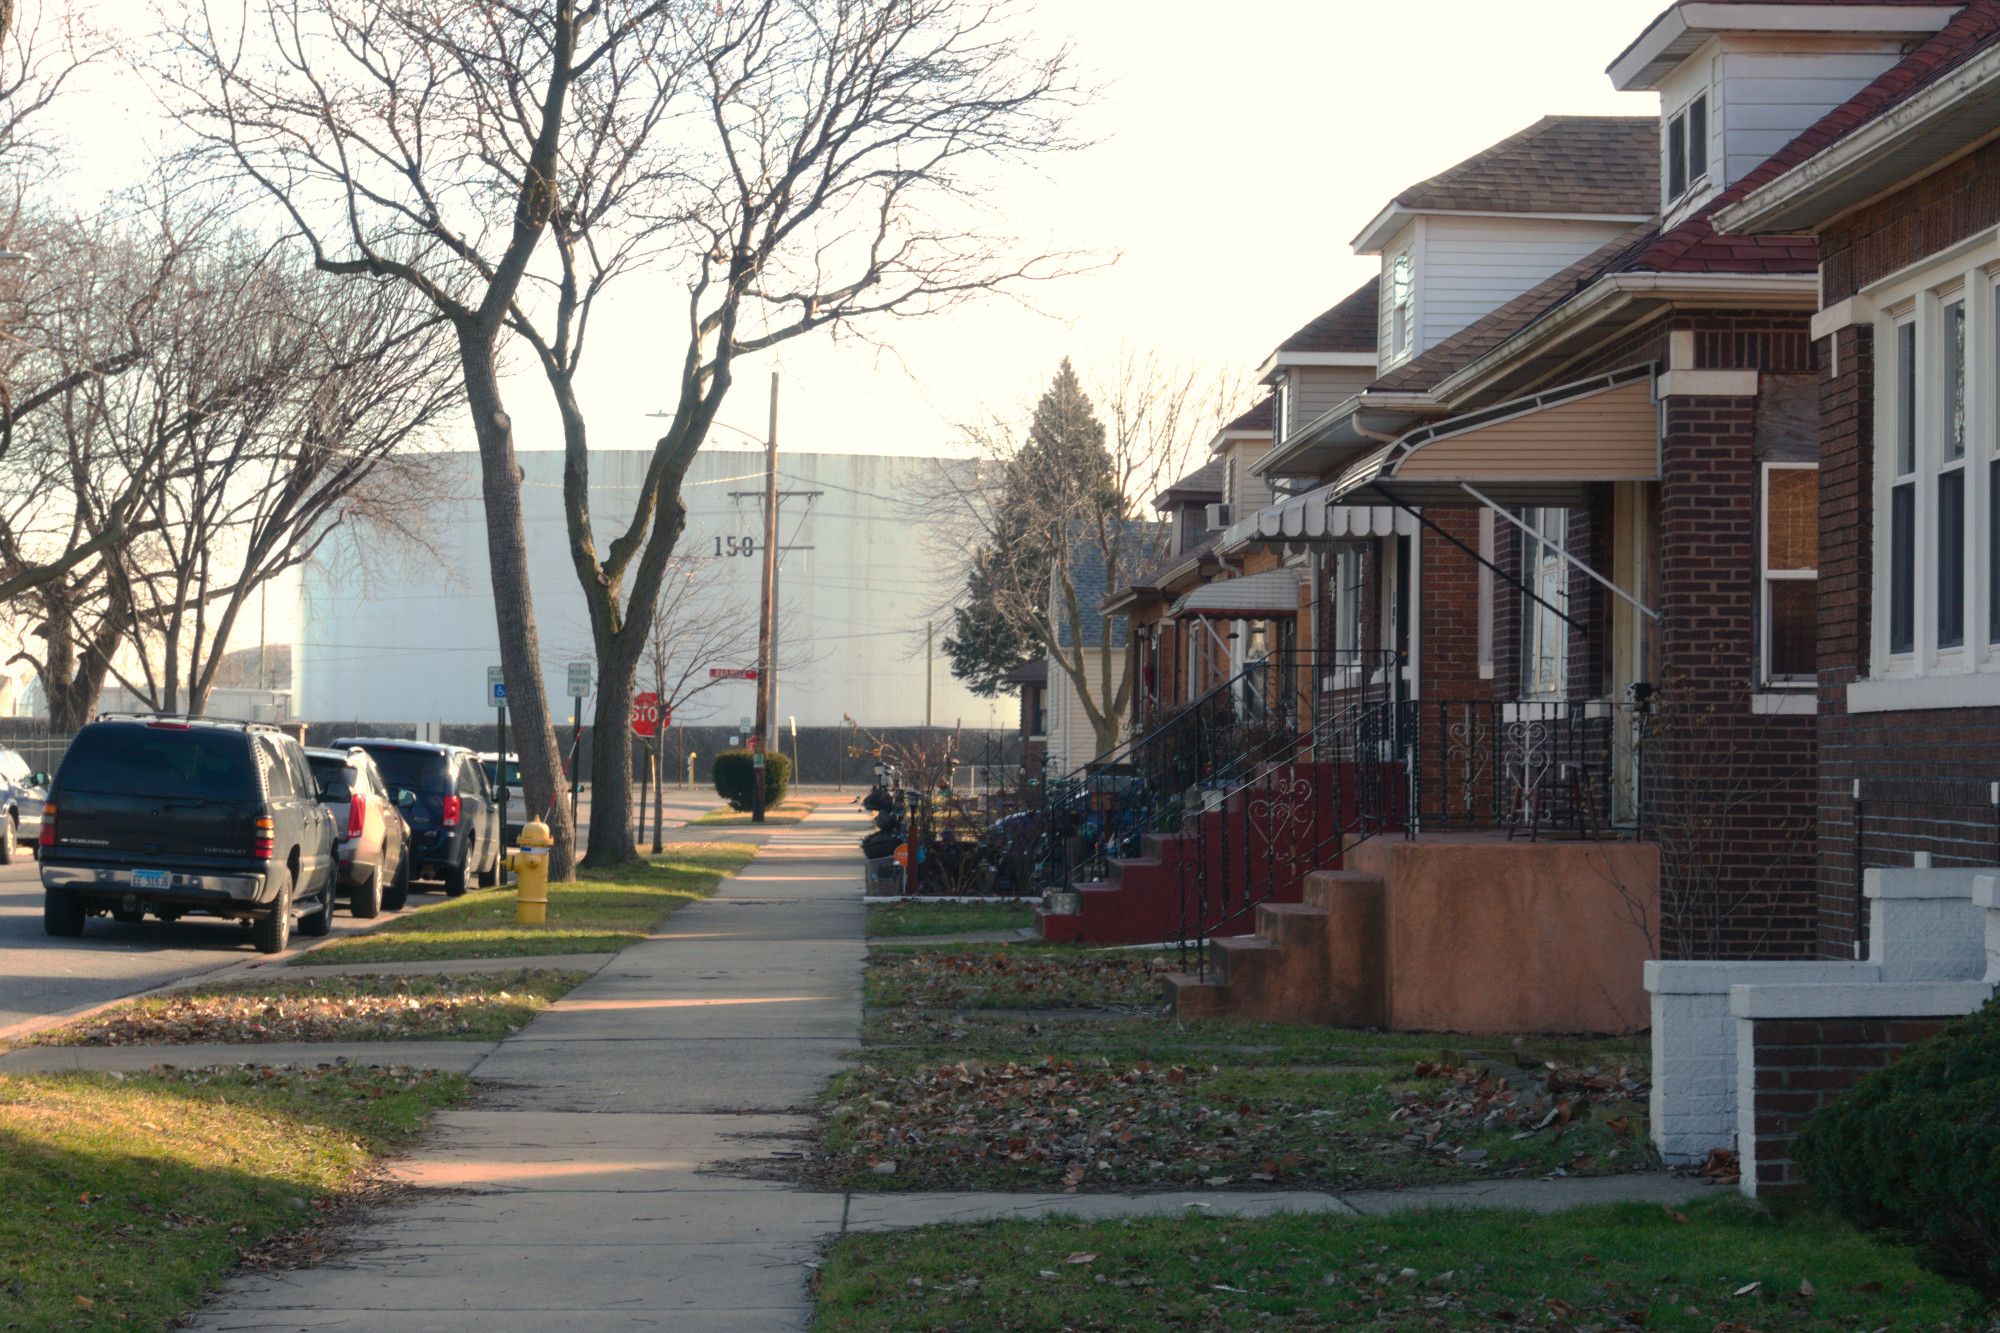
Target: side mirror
x,y
38,779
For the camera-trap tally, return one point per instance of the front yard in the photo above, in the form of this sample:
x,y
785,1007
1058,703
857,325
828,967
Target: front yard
x,y
124,1198
1719,1264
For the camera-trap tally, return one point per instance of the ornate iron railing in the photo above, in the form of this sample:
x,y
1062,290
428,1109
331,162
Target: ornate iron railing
x,y
1106,808
1528,767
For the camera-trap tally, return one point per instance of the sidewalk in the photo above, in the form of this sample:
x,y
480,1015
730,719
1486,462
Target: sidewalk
x,y
578,1195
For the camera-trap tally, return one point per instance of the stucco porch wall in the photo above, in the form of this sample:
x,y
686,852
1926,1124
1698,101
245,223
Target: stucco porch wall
x,y
1480,934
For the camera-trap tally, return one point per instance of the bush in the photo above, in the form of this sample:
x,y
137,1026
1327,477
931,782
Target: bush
x,y
1915,1150
735,771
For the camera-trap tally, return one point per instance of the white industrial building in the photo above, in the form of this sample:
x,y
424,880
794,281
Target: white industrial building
x,y
392,634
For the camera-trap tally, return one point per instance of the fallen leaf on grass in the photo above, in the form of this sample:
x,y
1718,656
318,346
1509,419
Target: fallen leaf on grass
x,y
1082,1257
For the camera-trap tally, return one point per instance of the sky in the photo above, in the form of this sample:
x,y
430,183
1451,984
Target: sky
x,y
1235,152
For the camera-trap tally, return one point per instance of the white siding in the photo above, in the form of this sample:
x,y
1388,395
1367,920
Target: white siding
x,y
1246,491
1473,266
1072,740
1771,94
1316,390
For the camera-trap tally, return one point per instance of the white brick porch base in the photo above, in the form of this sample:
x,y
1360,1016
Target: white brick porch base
x,y
1925,926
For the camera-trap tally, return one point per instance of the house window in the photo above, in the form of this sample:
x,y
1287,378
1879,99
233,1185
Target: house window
x,y
1347,606
1903,498
1790,572
1687,149
1280,400
1544,633
1402,306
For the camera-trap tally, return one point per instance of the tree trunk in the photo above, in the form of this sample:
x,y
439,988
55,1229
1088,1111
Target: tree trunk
x,y
73,675
611,839
513,604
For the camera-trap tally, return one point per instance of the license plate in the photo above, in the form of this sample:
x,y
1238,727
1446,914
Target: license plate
x,y
152,879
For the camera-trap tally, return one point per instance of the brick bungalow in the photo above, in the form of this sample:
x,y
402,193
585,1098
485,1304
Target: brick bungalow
x,y
1899,185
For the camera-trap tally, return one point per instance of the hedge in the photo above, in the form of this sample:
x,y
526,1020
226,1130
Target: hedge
x,y
735,771
1914,1150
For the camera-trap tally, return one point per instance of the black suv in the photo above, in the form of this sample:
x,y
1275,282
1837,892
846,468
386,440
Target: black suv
x,y
176,815
452,811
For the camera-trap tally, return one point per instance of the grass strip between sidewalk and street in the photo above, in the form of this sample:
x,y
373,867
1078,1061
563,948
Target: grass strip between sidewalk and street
x,y
1013,976
902,920
1721,1263
468,1006
124,1198
602,912
778,816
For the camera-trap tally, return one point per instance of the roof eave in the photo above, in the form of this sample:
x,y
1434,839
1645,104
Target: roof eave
x,y
1620,291
1679,32
1934,128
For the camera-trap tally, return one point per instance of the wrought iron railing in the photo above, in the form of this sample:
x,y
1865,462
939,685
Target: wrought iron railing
x,y
1297,808
1528,767
1106,808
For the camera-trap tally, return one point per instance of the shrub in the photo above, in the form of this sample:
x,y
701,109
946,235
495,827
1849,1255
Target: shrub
x,y
1915,1150
735,771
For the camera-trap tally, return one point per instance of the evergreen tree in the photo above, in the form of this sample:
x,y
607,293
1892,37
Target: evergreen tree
x,y
1061,475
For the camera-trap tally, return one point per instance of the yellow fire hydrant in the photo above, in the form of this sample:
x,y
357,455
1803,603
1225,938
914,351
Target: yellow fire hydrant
x,y
530,865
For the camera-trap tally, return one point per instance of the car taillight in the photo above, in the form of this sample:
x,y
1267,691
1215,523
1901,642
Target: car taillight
x,y
263,843
357,815
451,812
48,838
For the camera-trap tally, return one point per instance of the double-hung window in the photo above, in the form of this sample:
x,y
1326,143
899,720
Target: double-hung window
x,y
1402,307
1937,480
1686,149
1544,632
1789,572
1346,606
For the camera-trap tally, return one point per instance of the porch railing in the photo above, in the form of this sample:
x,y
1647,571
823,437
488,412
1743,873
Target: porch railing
x,y
1106,808
1527,767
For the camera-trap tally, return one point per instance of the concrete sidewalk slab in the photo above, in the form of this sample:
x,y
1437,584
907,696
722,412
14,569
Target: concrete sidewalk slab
x,y
460,1057
296,968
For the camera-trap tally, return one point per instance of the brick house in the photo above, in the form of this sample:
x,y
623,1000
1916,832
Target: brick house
x,y
1899,186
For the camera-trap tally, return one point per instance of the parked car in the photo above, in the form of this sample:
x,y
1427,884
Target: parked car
x,y
513,813
176,816
22,795
374,846
450,807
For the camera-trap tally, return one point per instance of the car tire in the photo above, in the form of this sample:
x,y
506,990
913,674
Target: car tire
x,y
272,931
397,896
490,878
62,914
457,875
316,923
10,840
364,901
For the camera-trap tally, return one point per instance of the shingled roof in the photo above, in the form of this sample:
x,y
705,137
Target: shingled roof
x,y
1204,483
1256,420
1348,327
1599,165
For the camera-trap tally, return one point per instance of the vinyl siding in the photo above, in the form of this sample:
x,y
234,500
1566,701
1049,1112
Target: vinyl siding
x,y
1072,740
1769,96
1317,390
1247,492
1473,266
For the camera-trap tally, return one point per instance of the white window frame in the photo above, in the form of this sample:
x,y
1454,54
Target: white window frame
x,y
1542,567
1766,576
1932,674
1402,306
1693,182
1280,392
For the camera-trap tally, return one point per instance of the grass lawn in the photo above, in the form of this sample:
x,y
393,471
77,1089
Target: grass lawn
x,y
1014,976
479,1006
786,812
123,1200
1722,1264
889,920
602,912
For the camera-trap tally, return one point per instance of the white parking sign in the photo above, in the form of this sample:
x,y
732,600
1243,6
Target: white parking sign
x,y
579,680
496,687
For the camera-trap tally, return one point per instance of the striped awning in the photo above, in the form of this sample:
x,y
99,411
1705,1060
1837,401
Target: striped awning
x,y
1312,517
1271,595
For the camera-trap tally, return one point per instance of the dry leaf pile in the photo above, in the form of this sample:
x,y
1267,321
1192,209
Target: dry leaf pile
x,y
1484,1099
333,1009
1006,980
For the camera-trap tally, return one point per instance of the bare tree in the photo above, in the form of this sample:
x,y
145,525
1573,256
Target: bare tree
x,y
1066,508
792,163
281,401
693,630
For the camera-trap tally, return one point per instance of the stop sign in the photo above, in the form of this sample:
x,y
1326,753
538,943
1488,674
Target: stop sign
x,y
646,717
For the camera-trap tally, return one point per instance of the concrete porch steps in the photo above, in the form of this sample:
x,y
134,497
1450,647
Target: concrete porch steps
x,y
1286,972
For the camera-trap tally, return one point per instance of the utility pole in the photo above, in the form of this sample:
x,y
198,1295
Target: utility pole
x,y
767,617
930,639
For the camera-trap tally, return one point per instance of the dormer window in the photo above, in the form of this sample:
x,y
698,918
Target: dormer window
x,y
1402,303
1279,397
1687,150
